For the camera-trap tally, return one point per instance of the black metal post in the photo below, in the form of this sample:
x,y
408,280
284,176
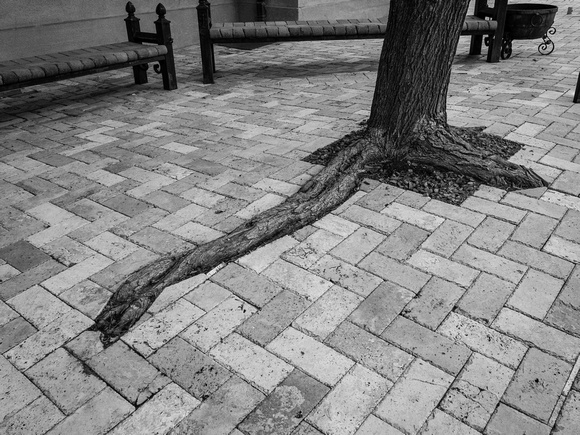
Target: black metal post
x,y
205,44
163,31
133,27
261,12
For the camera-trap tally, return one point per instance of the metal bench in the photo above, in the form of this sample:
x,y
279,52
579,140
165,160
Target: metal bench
x,y
486,21
36,70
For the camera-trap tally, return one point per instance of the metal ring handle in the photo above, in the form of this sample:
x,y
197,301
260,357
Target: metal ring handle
x,y
536,20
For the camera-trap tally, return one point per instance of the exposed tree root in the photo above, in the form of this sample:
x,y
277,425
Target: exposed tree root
x,y
326,191
445,147
432,144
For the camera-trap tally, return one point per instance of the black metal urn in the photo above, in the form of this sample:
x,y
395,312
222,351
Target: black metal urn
x,y
529,21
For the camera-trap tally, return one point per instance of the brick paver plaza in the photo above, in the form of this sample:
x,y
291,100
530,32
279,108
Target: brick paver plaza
x,y
395,314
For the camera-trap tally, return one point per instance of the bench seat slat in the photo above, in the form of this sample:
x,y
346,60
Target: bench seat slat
x,y
322,28
474,24
76,61
228,32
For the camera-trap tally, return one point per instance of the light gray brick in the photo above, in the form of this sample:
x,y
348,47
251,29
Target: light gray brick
x,y
128,373
482,260
305,429
324,315
370,351
535,205
484,300
337,225
413,199
433,303
375,426
161,413
563,248
410,402
297,279
570,226
403,242
274,317
455,213
85,345
568,422
490,193
358,245
379,309
545,337
97,416
311,356
51,337
350,202
217,324
261,258
491,234
419,218
38,306
508,421
499,211
14,332
537,259
65,381
266,202
393,271
154,332
381,196
222,411
35,419
175,291
190,368
477,390
535,294
16,391
247,284
87,297
376,221
312,249
441,422
444,268
537,384
6,314
258,366
208,295
484,340
350,401
449,236
534,230
346,275
428,345
285,408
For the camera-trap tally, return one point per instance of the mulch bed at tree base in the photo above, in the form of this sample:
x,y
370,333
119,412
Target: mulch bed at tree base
x,y
442,185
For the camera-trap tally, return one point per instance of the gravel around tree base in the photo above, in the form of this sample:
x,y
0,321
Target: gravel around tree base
x,y
442,185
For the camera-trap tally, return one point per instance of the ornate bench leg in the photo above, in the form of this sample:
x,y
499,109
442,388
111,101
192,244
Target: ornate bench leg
x,y
133,28
164,38
494,51
140,73
496,40
475,47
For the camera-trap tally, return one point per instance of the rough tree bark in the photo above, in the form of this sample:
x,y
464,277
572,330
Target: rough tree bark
x,y
408,121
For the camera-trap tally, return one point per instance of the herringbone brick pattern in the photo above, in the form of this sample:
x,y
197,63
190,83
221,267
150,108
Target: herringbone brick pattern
x,y
395,314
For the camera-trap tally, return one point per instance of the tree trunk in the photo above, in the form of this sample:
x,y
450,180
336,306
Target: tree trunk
x,y
408,121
